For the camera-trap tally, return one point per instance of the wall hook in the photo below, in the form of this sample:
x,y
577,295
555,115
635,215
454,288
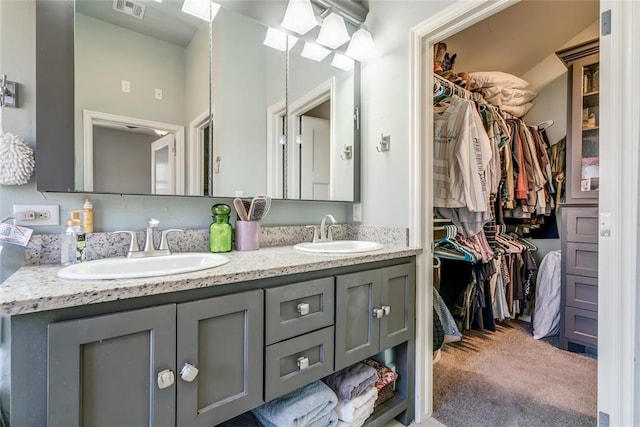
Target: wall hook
x,y
347,152
8,93
384,144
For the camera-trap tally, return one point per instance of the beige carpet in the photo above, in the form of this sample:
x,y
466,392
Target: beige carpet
x,y
506,378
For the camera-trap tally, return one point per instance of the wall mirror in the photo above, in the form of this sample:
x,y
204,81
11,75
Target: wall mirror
x,y
149,99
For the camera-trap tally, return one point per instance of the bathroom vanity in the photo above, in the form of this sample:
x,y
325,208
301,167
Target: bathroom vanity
x,y
123,352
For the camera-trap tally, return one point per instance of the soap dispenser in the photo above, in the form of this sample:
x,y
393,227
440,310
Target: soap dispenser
x,y
73,241
220,230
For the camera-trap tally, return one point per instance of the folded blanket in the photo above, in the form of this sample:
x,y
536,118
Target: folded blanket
x,y
350,410
308,406
352,381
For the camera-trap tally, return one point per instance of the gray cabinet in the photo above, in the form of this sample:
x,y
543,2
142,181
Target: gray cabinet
x,y
103,371
299,332
375,310
579,239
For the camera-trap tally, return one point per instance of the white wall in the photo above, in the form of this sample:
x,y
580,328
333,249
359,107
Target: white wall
x,y
386,109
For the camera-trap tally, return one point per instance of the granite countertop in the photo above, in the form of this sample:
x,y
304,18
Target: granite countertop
x,y
37,288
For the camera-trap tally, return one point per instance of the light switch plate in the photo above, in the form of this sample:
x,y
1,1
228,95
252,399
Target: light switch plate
x,y
126,86
158,94
357,212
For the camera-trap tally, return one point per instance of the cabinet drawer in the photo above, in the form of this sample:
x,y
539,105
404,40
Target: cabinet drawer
x,y
581,326
282,317
582,225
582,259
282,373
582,292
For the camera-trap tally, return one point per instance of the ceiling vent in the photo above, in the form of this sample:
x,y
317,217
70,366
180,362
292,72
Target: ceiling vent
x,y
129,7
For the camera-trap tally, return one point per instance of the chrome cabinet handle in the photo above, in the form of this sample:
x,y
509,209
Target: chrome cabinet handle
x,y
166,378
386,310
303,308
303,362
378,313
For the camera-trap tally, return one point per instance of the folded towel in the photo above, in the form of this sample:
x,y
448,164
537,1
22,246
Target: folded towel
x,y
352,381
358,422
329,420
307,406
350,410
385,375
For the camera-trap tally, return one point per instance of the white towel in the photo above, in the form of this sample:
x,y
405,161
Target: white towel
x,y
351,410
358,422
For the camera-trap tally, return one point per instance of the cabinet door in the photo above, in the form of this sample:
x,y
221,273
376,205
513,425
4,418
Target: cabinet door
x,y
102,370
357,330
398,294
223,338
583,151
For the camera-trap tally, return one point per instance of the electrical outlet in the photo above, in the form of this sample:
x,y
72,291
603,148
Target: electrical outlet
x,y
357,212
34,215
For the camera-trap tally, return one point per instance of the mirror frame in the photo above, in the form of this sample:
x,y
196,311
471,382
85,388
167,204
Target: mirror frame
x,y
55,103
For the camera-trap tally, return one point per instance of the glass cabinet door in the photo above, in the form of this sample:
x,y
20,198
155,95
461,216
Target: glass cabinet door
x,y
583,135
589,160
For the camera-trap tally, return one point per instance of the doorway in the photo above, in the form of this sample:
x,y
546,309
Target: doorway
x,y
616,379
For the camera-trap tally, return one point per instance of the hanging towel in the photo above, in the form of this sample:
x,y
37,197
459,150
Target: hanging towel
x,y
351,410
352,381
308,406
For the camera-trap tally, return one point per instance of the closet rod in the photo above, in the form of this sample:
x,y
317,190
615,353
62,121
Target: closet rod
x,y
459,90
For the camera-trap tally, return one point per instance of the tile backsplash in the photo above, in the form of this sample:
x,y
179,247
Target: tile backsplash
x,y
45,248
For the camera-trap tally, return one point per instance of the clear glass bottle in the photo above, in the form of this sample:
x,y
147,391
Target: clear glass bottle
x,y
220,230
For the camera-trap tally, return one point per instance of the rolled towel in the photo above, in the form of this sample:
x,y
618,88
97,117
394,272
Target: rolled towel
x,y
307,406
352,381
350,410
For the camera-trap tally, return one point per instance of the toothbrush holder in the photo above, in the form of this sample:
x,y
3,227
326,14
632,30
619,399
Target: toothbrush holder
x,y
247,235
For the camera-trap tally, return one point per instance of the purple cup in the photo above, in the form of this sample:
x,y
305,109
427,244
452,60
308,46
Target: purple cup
x,y
247,235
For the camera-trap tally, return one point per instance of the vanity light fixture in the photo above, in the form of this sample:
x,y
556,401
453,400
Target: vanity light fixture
x,y
333,32
361,46
278,40
314,51
343,62
299,16
202,9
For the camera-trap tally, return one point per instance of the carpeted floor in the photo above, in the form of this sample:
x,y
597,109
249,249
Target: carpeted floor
x,y
506,378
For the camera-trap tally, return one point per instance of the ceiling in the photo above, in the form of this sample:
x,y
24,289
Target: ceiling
x,y
521,36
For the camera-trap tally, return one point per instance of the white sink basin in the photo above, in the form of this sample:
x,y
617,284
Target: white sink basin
x,y
339,247
131,268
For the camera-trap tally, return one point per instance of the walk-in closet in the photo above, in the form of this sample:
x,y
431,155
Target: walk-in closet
x,y
515,191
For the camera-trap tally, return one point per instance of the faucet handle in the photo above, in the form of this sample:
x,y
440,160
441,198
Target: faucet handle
x,y
315,232
164,245
133,245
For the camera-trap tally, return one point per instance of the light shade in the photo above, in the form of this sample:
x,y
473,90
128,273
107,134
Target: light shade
x,y
203,9
333,32
314,51
361,46
342,62
278,40
299,16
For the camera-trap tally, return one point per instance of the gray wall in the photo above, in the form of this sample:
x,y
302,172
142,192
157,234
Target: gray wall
x,y
133,171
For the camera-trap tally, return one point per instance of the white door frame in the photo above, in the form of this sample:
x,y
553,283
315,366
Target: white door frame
x,y
618,256
275,156
88,117
195,152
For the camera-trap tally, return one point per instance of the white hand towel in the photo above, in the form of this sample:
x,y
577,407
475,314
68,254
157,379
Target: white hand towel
x,y
350,410
358,422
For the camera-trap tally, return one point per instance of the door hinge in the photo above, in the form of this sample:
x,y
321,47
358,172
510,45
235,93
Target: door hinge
x,y
606,22
356,117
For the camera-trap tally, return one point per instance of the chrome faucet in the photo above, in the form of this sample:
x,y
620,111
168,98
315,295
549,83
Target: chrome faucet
x,y
325,234
149,246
